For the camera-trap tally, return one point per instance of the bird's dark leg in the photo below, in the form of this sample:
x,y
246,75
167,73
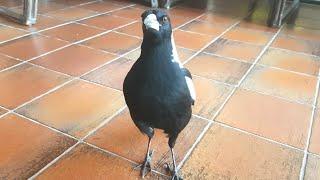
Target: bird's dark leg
x,y
173,170
146,166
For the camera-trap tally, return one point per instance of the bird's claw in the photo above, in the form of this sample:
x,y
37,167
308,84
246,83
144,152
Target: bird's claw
x,y
174,174
146,166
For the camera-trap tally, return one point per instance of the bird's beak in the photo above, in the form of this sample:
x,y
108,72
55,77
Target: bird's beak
x,y
151,22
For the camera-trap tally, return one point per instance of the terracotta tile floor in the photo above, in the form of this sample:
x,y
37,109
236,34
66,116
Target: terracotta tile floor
x,y
63,115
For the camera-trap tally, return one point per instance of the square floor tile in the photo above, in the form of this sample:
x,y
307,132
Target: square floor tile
x,y
134,29
217,19
7,33
90,163
30,46
190,40
25,82
210,96
299,45
217,68
6,62
204,28
250,36
313,168
291,61
114,43
282,83
101,6
27,147
314,146
74,60
234,49
122,137
112,74
131,13
107,21
224,153
72,32
267,116
70,14
43,22
76,108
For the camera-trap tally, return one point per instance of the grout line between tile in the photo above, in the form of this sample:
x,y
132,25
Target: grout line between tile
x,y
109,152
208,44
105,122
46,126
189,152
314,154
188,22
312,119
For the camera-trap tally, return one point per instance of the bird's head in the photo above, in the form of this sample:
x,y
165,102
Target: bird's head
x,y
156,26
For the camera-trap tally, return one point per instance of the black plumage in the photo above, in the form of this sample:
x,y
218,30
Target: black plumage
x,y
156,89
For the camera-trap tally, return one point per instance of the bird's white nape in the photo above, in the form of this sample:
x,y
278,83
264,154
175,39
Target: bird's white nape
x,y
151,21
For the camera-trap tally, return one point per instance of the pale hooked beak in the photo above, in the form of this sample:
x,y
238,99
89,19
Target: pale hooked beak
x,y
151,22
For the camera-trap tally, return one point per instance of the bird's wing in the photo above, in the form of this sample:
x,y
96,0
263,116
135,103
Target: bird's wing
x,y
188,77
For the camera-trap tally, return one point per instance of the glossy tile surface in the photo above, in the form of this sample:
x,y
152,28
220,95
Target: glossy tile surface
x,y
74,60
235,158
268,116
30,147
289,85
23,83
85,106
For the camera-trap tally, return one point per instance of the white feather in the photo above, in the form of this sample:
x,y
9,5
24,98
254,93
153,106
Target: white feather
x,y
191,88
151,21
175,59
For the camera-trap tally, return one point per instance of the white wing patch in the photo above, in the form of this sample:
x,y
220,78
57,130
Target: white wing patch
x,y
175,59
191,88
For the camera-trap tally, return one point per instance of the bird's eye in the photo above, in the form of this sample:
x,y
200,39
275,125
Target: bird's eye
x,y
165,19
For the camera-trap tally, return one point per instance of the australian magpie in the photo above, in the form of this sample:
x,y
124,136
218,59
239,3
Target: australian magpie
x,y
158,90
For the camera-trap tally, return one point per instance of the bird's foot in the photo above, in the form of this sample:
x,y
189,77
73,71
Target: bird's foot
x,y
146,166
174,174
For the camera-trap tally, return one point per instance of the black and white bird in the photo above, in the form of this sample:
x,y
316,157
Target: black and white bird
x,y
158,90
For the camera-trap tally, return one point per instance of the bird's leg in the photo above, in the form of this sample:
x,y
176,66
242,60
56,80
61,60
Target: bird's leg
x,y
146,166
173,170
